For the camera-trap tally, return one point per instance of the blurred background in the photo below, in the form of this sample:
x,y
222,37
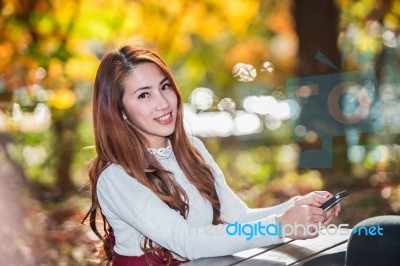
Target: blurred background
x,y
231,59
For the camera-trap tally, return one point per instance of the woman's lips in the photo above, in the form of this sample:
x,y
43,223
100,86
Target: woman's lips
x,y
165,119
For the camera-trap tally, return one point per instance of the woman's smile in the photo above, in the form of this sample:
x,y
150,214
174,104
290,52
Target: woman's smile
x,y
165,119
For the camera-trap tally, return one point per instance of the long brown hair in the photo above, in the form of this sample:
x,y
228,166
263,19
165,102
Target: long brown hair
x,y
117,139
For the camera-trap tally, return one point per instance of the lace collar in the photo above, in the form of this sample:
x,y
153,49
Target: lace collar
x,y
162,153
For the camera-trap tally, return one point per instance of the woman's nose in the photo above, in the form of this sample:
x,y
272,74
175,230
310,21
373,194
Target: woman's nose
x,y
162,102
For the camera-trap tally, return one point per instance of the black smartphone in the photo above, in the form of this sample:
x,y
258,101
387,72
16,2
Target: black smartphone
x,y
334,200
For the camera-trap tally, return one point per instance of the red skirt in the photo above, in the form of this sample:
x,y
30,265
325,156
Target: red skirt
x,y
148,260
144,260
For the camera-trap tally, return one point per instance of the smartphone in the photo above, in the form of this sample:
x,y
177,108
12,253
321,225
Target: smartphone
x,y
334,200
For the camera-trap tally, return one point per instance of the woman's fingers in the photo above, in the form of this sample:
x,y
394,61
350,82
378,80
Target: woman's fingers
x,y
337,208
328,220
322,193
306,211
330,212
318,211
309,201
329,216
319,197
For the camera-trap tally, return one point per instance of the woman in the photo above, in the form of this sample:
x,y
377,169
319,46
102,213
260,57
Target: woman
x,y
162,195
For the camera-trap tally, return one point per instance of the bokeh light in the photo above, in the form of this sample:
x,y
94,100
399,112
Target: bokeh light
x,y
272,123
246,123
202,98
259,104
227,104
300,131
16,112
207,124
311,136
356,153
244,72
267,67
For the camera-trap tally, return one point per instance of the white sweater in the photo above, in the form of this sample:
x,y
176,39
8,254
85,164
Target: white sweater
x,y
133,210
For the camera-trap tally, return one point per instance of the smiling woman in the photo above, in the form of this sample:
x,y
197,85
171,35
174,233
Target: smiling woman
x,y
155,186
150,103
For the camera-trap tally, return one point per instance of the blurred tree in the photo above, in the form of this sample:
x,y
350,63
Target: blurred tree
x,y
317,28
365,31
38,67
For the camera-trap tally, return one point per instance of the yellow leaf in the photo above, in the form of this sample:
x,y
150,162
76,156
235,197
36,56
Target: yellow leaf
x,y
391,21
62,99
55,69
82,67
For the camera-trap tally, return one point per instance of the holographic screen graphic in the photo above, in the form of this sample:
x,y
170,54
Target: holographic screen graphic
x,y
333,105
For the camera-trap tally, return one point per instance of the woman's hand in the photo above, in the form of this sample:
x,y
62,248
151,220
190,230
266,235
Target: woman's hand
x,y
301,220
318,198
306,211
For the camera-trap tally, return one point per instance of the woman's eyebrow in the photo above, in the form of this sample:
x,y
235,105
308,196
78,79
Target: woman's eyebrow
x,y
142,88
149,87
164,79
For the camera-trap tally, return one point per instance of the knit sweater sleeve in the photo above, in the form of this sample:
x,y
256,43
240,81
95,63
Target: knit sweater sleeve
x,y
124,198
232,207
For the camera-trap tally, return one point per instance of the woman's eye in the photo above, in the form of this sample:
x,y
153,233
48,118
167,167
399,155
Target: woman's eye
x,y
166,86
143,95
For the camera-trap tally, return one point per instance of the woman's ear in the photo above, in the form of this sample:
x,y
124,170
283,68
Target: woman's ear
x,y
124,116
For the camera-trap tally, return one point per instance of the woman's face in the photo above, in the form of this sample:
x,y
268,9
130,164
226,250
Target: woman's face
x,y
151,103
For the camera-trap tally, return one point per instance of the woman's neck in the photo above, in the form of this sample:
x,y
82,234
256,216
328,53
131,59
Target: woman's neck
x,y
161,143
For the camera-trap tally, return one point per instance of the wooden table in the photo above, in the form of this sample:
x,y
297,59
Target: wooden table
x,y
291,252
